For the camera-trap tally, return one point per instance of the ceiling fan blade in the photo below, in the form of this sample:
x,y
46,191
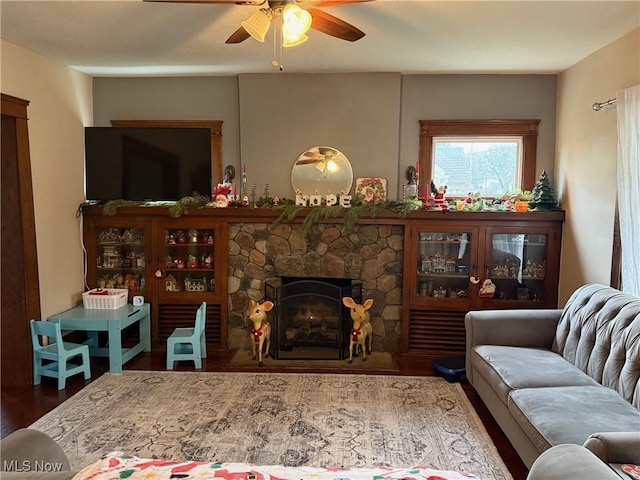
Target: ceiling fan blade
x,y
240,35
308,161
332,3
220,2
326,23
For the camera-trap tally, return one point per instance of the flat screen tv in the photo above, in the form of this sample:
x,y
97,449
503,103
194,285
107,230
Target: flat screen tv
x,y
146,164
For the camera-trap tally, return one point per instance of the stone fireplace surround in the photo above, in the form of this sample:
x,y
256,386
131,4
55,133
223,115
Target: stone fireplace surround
x,y
259,252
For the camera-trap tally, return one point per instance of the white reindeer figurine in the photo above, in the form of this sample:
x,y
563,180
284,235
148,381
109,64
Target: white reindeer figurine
x,y
261,331
361,328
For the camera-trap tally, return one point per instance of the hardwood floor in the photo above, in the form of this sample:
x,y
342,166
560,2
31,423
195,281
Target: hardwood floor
x,y
22,407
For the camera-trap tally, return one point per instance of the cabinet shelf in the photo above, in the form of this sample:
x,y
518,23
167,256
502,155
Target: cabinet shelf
x,y
439,242
121,269
190,270
120,244
526,244
442,275
503,277
191,244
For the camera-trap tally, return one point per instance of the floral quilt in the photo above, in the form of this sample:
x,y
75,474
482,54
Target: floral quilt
x,y
118,465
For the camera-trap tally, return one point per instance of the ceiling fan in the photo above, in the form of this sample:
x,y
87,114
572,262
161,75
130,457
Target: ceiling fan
x,y
297,17
316,155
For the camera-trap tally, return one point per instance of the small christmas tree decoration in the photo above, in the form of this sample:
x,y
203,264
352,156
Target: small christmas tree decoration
x,y
543,199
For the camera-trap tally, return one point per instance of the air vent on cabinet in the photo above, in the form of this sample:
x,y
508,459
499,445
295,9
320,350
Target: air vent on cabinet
x,y
436,332
172,316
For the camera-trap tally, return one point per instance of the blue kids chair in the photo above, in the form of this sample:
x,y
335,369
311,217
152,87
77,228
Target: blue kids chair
x,y
57,354
189,343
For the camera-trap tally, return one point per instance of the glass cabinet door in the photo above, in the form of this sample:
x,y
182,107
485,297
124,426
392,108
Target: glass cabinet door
x,y
517,266
120,258
189,260
444,264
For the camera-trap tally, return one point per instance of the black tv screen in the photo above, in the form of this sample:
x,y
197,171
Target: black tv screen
x,y
146,164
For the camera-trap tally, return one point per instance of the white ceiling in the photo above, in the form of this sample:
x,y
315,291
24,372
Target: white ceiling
x,y
132,37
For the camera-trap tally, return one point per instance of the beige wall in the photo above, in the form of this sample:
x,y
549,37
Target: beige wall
x,y
586,159
60,107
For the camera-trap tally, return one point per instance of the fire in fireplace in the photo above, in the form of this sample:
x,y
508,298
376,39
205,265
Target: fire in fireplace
x,y
309,320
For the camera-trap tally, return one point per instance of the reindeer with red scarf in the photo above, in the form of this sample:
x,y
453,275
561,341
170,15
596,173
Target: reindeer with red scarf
x,y
361,329
261,331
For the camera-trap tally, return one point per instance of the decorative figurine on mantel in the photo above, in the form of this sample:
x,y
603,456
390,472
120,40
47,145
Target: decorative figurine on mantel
x,y
439,196
542,197
221,195
229,174
412,183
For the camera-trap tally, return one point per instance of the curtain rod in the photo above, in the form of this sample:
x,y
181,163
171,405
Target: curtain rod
x,y
600,105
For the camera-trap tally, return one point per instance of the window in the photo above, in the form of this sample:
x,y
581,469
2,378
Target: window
x,y
490,165
487,156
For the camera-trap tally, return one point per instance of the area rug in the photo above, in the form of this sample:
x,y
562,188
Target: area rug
x,y
291,419
379,361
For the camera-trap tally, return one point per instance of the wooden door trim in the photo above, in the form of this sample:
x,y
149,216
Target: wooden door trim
x,y
17,108
14,110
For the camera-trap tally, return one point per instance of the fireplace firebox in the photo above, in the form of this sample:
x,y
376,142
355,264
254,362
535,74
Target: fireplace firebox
x,y
309,320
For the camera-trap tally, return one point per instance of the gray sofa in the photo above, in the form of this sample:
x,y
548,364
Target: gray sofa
x,y
565,376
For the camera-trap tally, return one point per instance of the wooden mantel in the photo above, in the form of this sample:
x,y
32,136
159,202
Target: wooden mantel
x,y
254,215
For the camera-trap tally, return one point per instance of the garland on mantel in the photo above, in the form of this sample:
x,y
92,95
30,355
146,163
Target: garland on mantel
x,y
290,211
350,215
111,207
175,209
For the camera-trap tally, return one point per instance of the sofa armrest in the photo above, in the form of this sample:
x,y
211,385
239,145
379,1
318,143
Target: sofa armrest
x,y
25,451
516,328
615,447
565,461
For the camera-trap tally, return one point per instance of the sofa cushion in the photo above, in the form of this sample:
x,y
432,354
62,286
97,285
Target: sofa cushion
x,y
599,332
555,415
509,368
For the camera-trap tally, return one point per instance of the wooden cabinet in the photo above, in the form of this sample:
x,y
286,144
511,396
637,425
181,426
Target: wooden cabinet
x,y
448,261
175,263
191,258
117,253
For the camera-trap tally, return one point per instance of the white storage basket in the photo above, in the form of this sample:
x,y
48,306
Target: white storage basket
x,y
117,298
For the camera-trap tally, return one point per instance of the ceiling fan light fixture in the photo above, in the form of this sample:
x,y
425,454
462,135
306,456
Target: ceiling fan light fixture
x,y
257,25
295,21
288,41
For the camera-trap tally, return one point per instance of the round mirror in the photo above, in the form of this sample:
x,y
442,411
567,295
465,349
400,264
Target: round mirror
x,y
322,170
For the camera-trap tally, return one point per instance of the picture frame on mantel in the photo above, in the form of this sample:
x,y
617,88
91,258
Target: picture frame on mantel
x,y
371,189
